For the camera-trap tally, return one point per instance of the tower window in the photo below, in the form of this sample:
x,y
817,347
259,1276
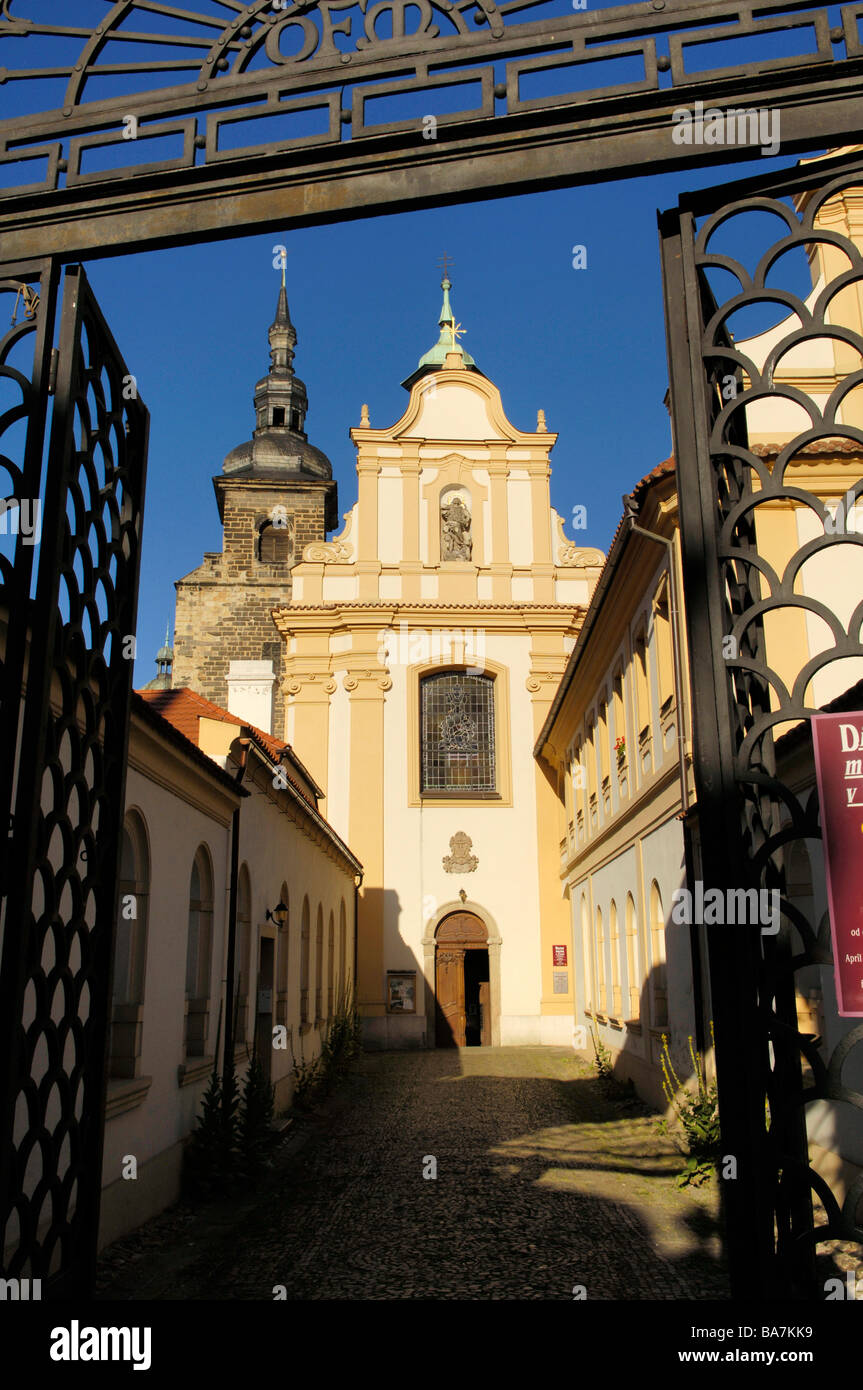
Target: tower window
x,y
278,415
295,419
275,544
458,753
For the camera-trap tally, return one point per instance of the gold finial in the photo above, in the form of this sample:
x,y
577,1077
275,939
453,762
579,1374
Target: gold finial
x,y
364,417
541,427
456,332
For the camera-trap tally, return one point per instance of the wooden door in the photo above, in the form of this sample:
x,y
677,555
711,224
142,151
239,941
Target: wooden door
x,y
485,1013
449,997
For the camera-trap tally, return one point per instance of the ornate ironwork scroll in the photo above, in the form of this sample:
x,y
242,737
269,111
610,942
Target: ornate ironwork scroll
x,y
157,93
761,548
60,903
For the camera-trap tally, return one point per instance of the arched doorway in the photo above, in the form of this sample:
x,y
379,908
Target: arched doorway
x,y
462,985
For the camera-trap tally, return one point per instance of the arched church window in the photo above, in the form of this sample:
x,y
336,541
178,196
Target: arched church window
x,y
199,954
275,544
131,949
457,733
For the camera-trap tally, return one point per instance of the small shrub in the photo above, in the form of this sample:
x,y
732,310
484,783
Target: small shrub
x,y
697,1116
255,1116
210,1157
602,1061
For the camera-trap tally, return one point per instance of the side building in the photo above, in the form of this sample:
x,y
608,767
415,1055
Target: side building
x,y
236,917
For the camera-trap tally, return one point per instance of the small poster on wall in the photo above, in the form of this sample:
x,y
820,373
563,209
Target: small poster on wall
x,y
558,955
401,992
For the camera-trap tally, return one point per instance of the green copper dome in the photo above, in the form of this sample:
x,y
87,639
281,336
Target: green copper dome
x,y
435,359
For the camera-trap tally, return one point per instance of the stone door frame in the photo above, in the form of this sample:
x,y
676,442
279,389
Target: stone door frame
x,y
429,946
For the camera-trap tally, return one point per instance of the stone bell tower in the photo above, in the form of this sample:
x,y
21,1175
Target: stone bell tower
x,y
275,495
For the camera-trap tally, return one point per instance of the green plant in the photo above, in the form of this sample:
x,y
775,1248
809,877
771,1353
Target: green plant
x,y
210,1158
339,1047
602,1059
255,1116
697,1114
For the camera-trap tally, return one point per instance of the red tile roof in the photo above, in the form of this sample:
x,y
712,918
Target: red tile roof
x,y
185,708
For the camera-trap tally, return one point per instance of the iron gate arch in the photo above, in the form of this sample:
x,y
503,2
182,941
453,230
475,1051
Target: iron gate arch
x,y
747,815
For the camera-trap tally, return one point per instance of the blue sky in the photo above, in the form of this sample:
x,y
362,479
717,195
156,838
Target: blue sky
x,y
586,345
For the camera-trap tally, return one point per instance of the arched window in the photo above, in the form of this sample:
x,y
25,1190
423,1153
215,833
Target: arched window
x,y
241,956
664,645
275,544
642,688
319,965
131,949
304,964
602,1000
344,967
633,971
199,953
659,980
616,1000
457,734
589,954
331,964
283,946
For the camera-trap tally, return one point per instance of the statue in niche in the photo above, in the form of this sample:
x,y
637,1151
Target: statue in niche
x,y
455,538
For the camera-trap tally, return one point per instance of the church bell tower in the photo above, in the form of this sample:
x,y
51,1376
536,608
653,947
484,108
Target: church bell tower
x,y
275,495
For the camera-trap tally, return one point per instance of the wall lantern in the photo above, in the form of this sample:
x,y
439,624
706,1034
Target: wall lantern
x,y
279,915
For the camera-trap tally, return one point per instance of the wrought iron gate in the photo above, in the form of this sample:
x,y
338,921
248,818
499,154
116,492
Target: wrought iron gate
x,y
69,644
750,820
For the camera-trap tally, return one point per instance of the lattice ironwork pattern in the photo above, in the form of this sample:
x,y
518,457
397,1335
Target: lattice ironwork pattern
x,y
187,80
458,733
27,298
55,975
769,434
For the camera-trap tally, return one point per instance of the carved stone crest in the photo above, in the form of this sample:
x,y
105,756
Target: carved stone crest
x,y
461,861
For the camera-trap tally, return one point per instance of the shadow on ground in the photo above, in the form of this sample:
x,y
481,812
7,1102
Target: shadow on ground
x,y
544,1189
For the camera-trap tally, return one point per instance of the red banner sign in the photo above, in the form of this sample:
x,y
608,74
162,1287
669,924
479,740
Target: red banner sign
x,y
558,955
838,743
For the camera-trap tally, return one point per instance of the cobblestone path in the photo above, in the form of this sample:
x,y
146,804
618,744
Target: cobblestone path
x,y
542,1185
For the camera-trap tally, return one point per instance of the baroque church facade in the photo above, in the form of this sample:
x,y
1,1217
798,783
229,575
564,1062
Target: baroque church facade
x,y
410,662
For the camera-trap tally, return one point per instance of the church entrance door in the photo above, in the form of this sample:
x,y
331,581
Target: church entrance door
x,y
462,1013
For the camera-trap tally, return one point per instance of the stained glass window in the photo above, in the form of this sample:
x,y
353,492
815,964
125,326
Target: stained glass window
x,y
457,733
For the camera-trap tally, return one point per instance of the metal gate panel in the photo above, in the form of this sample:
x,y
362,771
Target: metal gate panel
x,y
55,973
748,818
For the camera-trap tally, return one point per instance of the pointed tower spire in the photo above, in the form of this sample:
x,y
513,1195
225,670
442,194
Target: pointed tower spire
x,y
282,335
279,446
435,359
164,664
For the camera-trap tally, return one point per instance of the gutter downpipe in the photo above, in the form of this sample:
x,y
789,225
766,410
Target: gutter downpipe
x,y
228,1065
694,937
358,878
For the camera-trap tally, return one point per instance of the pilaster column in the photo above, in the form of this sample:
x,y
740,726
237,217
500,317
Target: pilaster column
x,y
499,560
367,686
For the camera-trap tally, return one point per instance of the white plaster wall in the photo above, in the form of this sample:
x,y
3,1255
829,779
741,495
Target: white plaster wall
x,y
505,882
274,849
836,578
520,522
338,767
175,830
338,587
454,411
571,591
663,860
390,518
